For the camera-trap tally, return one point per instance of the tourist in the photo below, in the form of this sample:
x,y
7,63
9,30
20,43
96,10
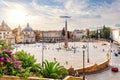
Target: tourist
x,y
67,62
55,59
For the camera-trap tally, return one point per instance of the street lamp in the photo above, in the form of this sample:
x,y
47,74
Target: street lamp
x,y
88,51
66,34
111,41
74,44
88,34
83,61
42,50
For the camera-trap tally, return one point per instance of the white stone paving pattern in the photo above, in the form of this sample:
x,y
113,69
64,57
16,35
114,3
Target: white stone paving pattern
x,y
68,58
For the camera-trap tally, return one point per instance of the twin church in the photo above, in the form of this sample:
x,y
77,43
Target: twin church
x,y
27,35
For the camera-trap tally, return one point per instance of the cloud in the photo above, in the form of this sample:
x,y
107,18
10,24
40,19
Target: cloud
x,y
45,14
117,25
71,7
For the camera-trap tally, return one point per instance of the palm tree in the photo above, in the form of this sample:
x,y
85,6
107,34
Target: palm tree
x,y
53,70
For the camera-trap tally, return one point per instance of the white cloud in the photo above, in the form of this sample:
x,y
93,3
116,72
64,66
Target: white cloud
x,y
46,17
71,7
109,12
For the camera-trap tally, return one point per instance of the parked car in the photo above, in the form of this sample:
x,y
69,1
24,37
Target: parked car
x,y
114,69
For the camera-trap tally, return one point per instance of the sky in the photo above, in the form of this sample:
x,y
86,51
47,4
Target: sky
x,y
45,14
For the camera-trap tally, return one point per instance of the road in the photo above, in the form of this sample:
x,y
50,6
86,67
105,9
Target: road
x,y
107,74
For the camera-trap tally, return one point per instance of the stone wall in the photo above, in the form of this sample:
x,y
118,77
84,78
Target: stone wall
x,y
93,68
18,78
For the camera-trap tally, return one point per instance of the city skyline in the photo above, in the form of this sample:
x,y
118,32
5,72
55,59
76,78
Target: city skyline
x,y
45,14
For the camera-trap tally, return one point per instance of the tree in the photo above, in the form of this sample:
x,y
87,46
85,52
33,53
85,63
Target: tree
x,y
53,70
4,46
88,33
92,34
63,32
105,32
68,34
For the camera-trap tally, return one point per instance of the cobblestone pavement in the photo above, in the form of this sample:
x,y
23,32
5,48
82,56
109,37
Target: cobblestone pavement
x,y
97,53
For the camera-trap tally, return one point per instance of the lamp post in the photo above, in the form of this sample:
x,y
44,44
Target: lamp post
x,y
42,49
74,44
111,41
88,51
83,61
88,35
66,34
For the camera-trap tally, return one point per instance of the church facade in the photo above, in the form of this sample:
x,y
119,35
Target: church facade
x,y
29,34
6,33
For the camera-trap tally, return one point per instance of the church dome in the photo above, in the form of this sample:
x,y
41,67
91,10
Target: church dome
x,y
4,27
28,28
